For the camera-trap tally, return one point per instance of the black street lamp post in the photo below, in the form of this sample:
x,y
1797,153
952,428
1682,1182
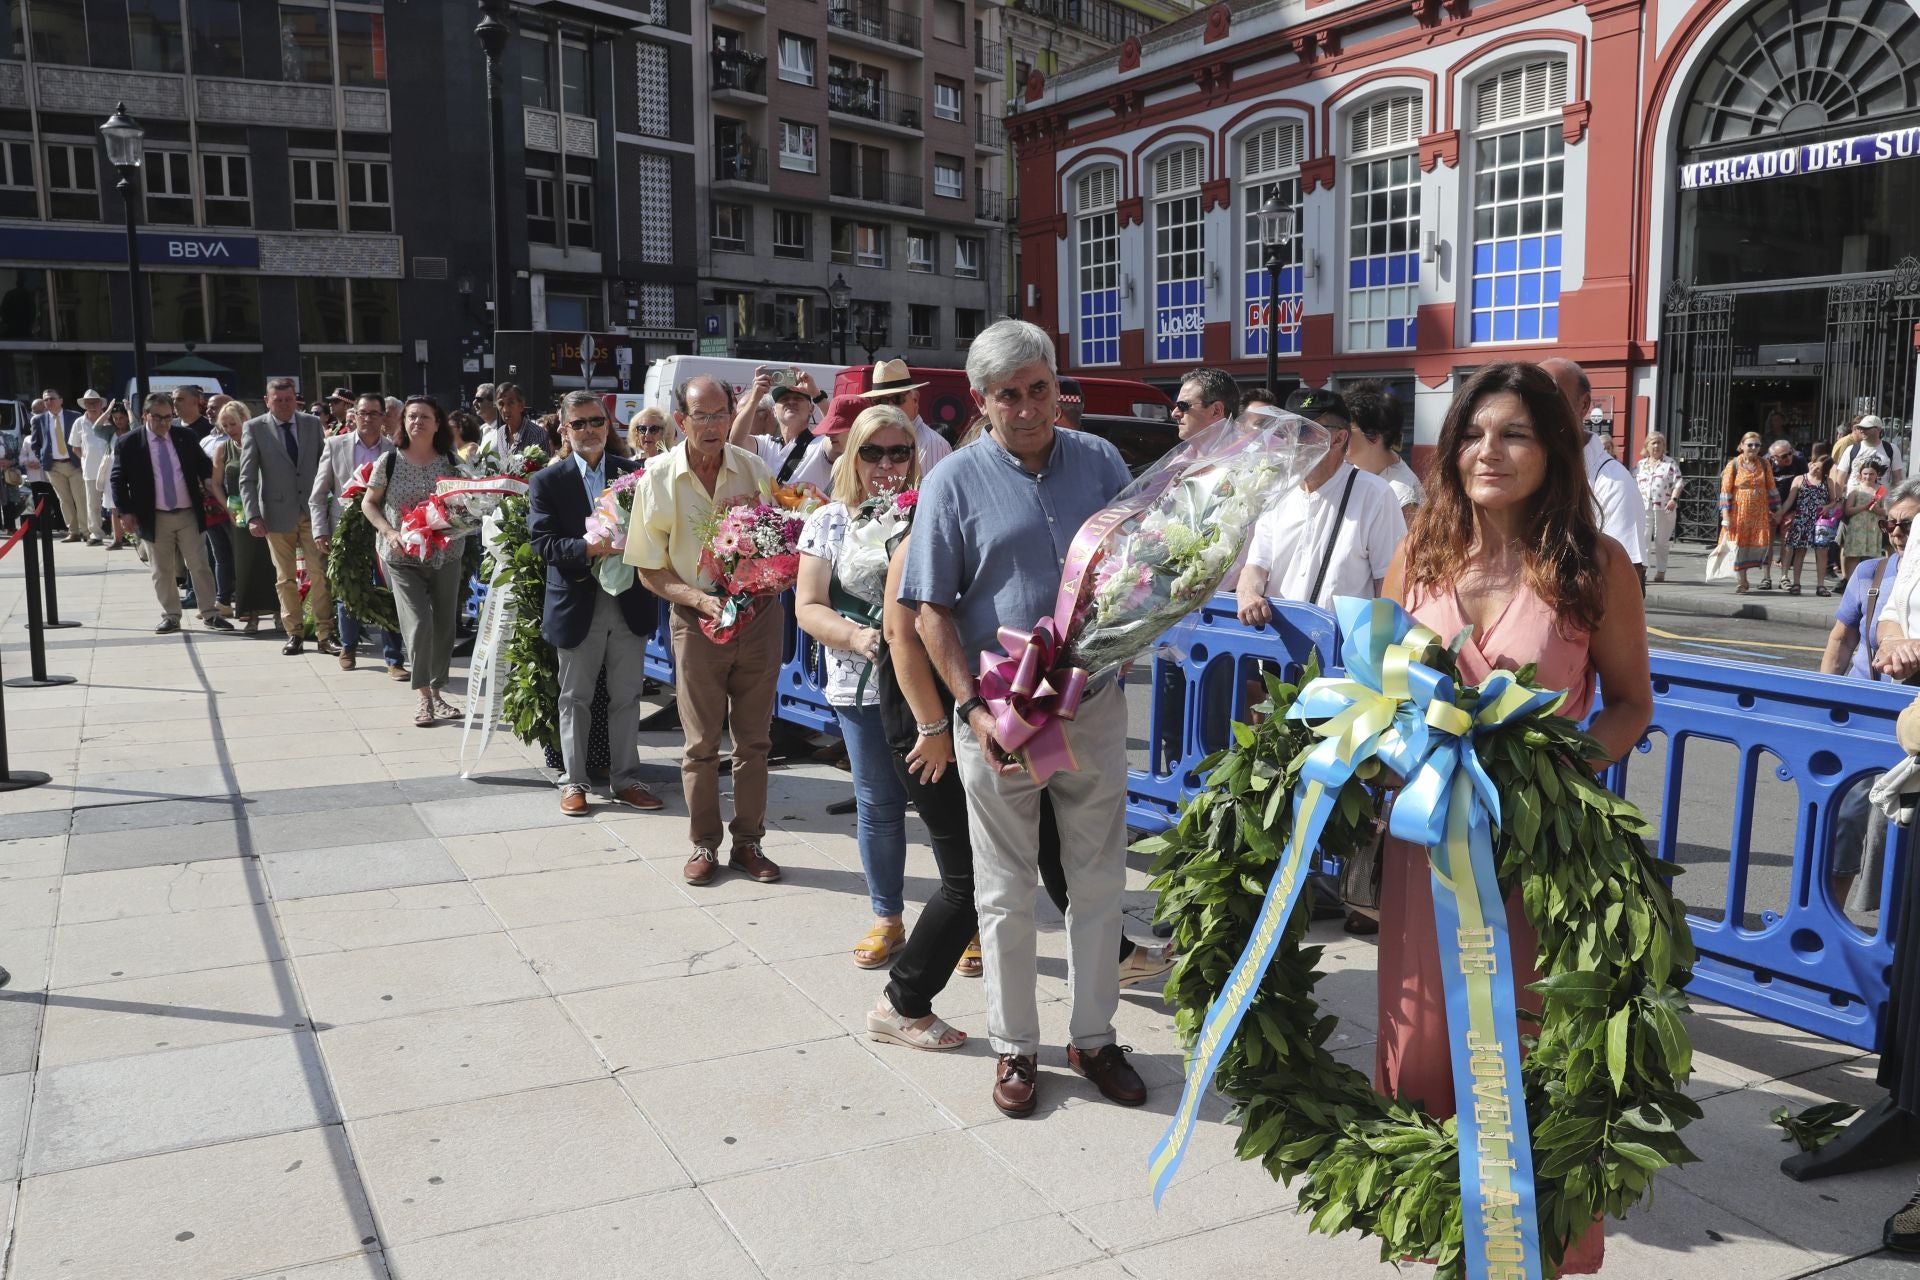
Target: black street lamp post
x,y
873,333
1276,233
493,34
125,143
839,299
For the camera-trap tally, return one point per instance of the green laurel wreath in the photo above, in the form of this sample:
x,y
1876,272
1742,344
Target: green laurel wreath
x,y
1604,1075
351,560
527,663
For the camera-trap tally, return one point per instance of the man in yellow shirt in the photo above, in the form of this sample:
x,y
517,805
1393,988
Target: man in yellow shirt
x,y
717,685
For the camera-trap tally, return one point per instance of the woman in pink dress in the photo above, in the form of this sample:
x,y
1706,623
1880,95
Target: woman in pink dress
x,y
1506,545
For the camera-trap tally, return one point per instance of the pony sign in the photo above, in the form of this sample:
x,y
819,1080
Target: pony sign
x,y
1290,309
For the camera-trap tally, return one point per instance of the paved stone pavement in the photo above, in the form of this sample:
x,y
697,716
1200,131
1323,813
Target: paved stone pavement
x,y
291,999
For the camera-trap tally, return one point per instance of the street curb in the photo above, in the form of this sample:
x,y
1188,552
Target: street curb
x,y
1722,603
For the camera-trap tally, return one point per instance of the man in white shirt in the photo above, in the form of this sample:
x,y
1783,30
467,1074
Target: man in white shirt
x,y
789,444
1374,445
1335,535
1872,443
91,436
891,383
1616,495
829,443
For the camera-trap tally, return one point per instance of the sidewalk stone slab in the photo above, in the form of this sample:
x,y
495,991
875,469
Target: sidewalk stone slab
x,y
500,1159
94,1112
455,1055
361,1266
29,857
30,904
29,959
16,1089
21,1011
801,1102
798,923
466,815
582,893
706,1018
332,828
357,868
383,917
672,1234
177,1217
174,1011
937,1208
1681,1235
387,982
139,785
213,834
616,950
1248,1250
510,853
150,945
149,891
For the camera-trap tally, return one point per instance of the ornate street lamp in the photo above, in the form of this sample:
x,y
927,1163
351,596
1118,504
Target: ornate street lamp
x,y
493,33
125,141
839,298
1276,233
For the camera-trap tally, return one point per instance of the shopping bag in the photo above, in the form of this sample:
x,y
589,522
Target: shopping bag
x,y
1720,562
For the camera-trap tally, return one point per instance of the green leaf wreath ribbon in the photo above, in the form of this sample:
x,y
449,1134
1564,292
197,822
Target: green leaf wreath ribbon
x,y
1393,711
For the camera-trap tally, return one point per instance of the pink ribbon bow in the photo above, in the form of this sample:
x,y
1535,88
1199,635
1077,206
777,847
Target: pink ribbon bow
x,y
1032,696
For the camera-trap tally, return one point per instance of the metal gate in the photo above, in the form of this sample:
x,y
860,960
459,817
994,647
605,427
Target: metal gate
x,y
1870,367
1695,397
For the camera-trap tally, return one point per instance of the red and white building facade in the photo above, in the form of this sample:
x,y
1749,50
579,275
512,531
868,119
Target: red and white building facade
x,y
1712,205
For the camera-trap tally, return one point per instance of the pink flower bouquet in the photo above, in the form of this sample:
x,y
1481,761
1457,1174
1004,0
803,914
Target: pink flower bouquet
x,y
752,554
608,523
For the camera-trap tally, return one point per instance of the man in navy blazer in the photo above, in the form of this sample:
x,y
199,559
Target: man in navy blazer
x,y
50,443
159,481
588,625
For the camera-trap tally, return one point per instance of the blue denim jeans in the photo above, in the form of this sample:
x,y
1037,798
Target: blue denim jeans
x,y
882,821
395,652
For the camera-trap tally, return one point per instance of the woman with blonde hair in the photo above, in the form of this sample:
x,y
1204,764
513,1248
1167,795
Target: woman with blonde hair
x,y
1749,496
650,432
1659,480
253,597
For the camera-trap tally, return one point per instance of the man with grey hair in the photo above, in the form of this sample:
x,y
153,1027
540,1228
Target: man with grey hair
x,y
1616,495
280,455
1207,395
991,535
718,684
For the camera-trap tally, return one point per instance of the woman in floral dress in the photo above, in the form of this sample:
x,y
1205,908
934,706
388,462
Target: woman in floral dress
x,y
1748,498
1808,498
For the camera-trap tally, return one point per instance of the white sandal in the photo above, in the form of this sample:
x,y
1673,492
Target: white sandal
x,y
896,1028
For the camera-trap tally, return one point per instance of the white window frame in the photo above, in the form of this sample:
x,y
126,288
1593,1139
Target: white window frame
x,y
948,100
83,178
1179,253
921,248
579,198
799,147
176,164
931,336
313,166
797,59
966,257
1096,266
360,174
10,179
870,244
543,195
954,183
1270,157
739,215
1515,187
226,163
1383,173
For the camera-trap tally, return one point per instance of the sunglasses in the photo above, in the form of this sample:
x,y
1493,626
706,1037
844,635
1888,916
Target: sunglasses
x,y
1901,527
1181,406
898,453
594,423
649,429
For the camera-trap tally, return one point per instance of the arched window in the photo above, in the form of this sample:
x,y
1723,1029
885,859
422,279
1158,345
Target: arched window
x,y
1383,224
1179,255
1269,166
1518,192
1097,250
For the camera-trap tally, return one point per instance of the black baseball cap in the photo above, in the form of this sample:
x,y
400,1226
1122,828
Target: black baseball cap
x,y
1310,402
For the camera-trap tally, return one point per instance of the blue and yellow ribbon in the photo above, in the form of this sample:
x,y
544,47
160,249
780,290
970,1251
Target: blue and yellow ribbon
x,y
1393,708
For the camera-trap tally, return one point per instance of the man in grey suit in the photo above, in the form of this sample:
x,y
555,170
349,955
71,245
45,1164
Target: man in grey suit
x,y
279,458
363,442
49,441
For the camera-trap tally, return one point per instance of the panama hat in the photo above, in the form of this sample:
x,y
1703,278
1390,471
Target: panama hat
x,y
889,378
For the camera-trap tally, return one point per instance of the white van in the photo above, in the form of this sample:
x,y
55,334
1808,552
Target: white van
x,y
673,371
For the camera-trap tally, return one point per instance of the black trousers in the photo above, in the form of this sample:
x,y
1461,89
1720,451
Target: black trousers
x,y
1900,1050
948,923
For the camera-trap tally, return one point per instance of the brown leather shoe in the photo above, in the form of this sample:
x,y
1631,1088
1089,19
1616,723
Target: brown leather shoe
x,y
347,660
573,801
1015,1084
328,645
748,860
702,867
397,673
635,796
1110,1072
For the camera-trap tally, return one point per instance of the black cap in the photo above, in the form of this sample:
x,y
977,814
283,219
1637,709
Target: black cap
x,y
342,393
1311,403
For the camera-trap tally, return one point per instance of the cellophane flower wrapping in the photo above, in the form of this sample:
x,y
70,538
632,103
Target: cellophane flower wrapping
x,y
874,531
460,506
752,553
1193,516
608,523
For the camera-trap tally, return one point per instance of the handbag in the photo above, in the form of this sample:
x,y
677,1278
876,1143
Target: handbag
x,y
214,510
1360,872
1720,562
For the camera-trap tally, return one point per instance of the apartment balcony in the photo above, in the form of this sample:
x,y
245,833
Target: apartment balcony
x,y
1104,20
989,206
865,102
877,186
738,75
890,29
752,8
989,60
741,164
989,132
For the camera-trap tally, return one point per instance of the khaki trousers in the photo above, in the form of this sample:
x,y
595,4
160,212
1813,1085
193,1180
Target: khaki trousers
x,y
70,488
177,541
282,547
727,686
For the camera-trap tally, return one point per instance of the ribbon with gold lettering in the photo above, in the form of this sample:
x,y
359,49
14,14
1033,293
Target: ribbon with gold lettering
x,y
1393,708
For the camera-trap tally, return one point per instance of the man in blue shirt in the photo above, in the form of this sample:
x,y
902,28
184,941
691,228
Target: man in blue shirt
x,y
990,538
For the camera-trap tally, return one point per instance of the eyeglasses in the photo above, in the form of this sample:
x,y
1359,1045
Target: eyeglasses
x,y
649,429
1901,527
483,399
594,423
899,453
703,419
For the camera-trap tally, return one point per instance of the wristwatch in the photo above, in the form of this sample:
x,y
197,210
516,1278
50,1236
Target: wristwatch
x,y
964,712
820,397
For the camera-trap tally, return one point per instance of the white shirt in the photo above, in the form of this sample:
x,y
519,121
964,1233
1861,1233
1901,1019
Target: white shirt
x,y
1616,500
81,440
1292,538
816,469
933,446
773,450
1406,483
1859,451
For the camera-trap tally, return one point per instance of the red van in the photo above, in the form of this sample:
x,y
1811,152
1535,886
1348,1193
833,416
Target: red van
x,y
947,405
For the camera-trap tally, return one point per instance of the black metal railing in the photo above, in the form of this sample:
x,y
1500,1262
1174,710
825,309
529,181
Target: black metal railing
x,y
990,131
746,72
1101,19
882,186
990,57
856,96
990,205
739,162
876,21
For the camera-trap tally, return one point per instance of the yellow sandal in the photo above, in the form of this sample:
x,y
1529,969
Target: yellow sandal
x,y
875,949
971,965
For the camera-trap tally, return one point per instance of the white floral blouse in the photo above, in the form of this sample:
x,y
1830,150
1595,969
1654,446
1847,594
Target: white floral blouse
x,y
1659,481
